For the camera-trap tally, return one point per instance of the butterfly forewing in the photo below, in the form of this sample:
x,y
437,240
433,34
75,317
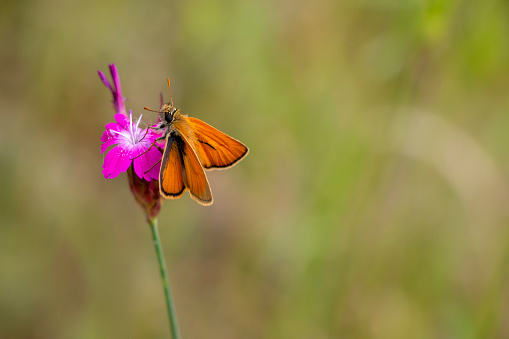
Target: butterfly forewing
x,y
214,148
170,177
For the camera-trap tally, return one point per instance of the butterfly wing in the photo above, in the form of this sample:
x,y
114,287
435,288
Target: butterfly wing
x,y
180,170
171,181
214,148
194,175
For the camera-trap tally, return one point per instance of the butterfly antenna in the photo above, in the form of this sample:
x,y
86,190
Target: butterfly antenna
x,y
151,110
170,91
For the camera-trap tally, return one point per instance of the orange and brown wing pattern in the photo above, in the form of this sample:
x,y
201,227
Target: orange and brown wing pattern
x,y
214,148
171,181
194,175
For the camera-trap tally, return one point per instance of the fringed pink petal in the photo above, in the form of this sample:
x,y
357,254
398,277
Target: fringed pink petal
x,y
122,120
110,142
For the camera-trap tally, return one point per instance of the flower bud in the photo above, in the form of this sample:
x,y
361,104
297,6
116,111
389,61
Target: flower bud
x,y
146,193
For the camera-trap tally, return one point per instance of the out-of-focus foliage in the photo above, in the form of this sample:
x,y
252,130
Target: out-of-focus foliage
x,y
373,203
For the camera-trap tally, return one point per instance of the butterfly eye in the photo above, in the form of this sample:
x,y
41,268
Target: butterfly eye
x,y
168,117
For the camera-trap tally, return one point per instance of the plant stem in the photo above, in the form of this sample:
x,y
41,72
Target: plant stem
x,y
164,276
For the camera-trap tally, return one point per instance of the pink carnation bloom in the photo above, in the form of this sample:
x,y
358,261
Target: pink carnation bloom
x,y
129,140
131,145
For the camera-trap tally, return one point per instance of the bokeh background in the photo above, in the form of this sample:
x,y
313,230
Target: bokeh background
x,y
373,203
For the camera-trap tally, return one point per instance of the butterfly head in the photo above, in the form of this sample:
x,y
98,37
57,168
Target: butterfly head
x,y
167,112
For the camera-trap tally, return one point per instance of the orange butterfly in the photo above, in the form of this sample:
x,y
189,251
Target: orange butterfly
x,y
191,146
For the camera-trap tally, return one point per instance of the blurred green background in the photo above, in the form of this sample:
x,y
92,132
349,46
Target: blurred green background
x,y
373,203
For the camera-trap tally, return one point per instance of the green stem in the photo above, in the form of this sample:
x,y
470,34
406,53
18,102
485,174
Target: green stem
x,y
162,266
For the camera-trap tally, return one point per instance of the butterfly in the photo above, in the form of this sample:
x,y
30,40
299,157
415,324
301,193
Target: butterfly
x,y
191,147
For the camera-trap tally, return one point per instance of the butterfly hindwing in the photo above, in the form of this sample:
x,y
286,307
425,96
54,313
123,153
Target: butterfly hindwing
x,y
171,181
194,176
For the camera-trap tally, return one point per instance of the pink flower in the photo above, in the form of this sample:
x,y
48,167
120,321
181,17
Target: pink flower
x,y
129,140
131,145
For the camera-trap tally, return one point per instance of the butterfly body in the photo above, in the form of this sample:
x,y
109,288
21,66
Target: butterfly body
x,y
192,146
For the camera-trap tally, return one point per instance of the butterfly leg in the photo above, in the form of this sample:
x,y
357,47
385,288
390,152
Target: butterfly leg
x,y
153,166
153,144
144,136
158,129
